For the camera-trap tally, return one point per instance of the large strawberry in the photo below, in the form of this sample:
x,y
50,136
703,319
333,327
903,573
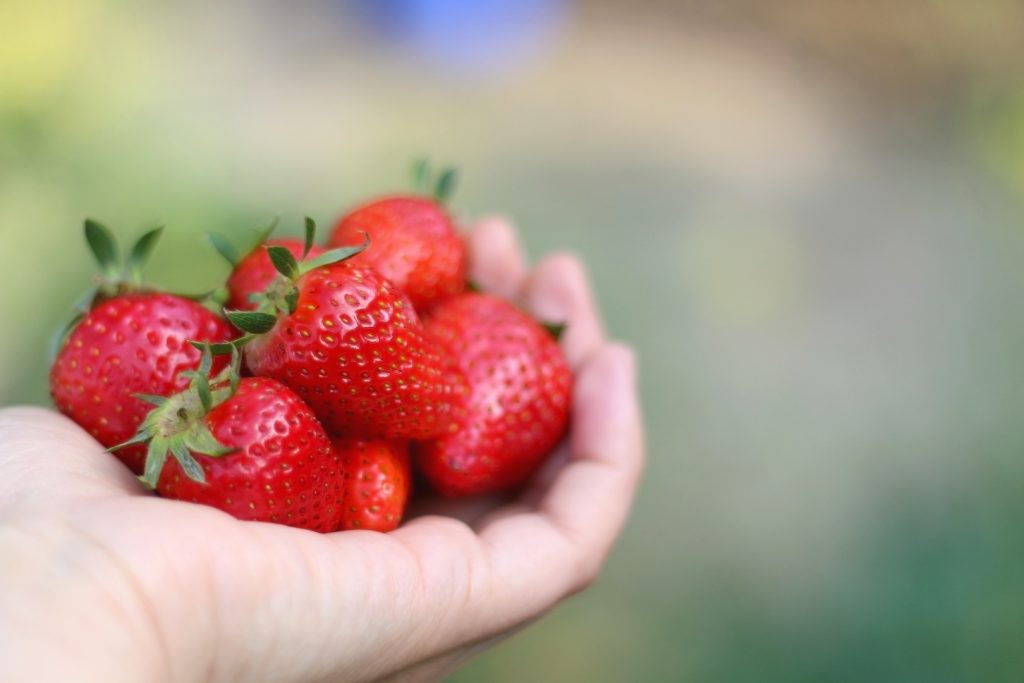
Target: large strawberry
x,y
415,244
130,341
519,396
377,482
253,273
351,345
249,447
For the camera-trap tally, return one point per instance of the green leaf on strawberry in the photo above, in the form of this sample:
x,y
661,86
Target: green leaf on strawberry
x,y
176,424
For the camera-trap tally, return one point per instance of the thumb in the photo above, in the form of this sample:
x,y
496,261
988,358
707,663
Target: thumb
x,y
46,458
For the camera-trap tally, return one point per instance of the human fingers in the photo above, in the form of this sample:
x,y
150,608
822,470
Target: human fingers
x,y
526,558
582,510
590,498
469,510
497,263
559,291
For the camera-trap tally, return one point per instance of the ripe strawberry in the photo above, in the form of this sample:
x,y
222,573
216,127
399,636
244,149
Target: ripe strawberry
x,y
350,344
282,468
254,273
131,342
415,244
249,447
377,482
519,397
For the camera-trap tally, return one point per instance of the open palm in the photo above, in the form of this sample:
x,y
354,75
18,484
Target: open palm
x,y
103,581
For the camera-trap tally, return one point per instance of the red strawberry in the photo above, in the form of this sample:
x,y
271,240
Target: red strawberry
x,y
377,482
254,273
350,344
280,466
414,245
130,343
519,397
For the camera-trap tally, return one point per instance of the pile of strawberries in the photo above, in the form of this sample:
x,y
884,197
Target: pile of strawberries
x,y
327,378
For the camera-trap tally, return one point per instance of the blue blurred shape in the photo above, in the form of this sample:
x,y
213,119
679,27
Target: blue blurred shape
x,y
473,36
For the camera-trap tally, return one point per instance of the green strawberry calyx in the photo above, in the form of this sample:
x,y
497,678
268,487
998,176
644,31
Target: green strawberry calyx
x,y
554,329
282,295
117,275
177,426
440,185
234,256
124,276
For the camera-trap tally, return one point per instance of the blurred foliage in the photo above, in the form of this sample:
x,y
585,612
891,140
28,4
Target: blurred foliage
x,y
998,131
804,215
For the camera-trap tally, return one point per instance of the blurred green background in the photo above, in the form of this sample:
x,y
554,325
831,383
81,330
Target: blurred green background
x,y
808,218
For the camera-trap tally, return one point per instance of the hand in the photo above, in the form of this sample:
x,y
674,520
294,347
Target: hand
x,y
103,581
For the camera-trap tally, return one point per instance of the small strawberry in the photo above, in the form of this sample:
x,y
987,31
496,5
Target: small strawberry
x,y
253,273
350,344
377,482
415,244
249,447
130,341
519,397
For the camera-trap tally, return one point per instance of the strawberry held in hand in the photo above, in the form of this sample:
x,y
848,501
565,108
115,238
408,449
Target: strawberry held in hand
x,y
415,244
350,344
378,482
249,447
131,341
519,397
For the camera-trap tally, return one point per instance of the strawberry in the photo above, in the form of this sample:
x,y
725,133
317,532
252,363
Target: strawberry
x,y
254,272
377,482
131,341
350,344
249,447
519,397
415,244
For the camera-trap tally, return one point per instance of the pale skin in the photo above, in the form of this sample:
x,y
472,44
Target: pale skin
x,y
102,581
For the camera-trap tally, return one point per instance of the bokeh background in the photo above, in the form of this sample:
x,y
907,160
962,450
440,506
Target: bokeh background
x,y
808,217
